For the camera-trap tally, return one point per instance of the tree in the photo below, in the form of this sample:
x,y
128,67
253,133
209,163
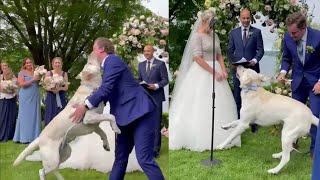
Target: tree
x,y
63,28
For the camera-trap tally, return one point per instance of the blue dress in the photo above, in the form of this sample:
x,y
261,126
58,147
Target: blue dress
x,y
28,125
52,108
8,111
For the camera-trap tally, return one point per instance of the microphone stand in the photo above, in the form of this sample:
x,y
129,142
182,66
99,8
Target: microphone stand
x,y
212,161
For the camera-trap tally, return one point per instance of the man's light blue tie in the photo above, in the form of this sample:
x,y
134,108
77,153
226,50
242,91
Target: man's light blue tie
x,y
300,50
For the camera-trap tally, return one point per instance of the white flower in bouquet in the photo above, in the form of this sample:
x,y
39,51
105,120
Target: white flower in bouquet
x,y
114,35
278,90
223,31
127,25
139,45
131,19
136,22
122,43
146,31
136,32
148,19
142,17
285,92
142,25
40,71
130,38
135,41
222,6
9,86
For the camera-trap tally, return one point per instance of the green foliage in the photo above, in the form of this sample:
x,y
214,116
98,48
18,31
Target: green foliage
x,y
165,120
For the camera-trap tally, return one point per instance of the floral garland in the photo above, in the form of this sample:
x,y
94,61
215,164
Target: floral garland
x,y
138,32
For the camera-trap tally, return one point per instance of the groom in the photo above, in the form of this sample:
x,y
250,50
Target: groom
x,y
132,107
301,50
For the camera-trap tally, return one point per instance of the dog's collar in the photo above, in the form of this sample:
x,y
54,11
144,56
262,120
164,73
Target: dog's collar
x,y
89,86
250,88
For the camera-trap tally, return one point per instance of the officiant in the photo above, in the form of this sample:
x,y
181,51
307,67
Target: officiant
x,y
153,76
245,45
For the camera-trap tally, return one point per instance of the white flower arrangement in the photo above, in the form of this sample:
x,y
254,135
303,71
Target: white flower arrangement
x,y
9,86
53,82
40,71
139,31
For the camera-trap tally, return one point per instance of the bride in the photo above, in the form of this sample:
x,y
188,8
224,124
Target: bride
x,y
191,106
88,152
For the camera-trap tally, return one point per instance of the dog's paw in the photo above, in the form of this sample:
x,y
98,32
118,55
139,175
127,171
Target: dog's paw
x,y
220,147
273,171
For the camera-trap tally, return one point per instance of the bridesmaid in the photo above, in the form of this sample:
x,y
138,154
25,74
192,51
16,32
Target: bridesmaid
x,y
8,105
56,98
29,119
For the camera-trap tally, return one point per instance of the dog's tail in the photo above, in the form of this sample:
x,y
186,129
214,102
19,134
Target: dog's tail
x,y
315,120
32,146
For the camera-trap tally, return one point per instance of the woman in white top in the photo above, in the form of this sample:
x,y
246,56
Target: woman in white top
x,y
8,103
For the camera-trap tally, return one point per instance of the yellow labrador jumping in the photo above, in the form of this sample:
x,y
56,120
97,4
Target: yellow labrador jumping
x,y
264,108
53,140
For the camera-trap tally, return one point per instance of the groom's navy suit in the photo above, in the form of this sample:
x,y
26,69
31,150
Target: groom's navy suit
x,y
134,110
237,49
304,76
157,75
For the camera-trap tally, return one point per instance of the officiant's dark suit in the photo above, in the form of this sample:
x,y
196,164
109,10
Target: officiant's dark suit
x,y
154,73
244,42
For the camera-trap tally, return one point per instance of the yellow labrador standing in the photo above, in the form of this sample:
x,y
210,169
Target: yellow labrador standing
x,y
53,140
264,108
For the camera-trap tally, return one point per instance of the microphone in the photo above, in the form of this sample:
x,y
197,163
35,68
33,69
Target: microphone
x,y
213,21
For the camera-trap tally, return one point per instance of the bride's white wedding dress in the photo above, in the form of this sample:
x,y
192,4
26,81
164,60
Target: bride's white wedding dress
x,y
88,153
191,108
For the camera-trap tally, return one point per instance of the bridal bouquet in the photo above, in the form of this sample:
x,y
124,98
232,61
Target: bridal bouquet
x,y
9,86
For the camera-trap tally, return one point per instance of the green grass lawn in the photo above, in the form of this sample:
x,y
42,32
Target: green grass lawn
x,y
250,162
29,170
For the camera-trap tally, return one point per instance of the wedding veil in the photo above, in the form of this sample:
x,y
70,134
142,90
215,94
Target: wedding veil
x,y
186,60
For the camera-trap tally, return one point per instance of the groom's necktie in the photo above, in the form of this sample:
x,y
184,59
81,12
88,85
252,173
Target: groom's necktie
x,y
148,67
300,50
244,38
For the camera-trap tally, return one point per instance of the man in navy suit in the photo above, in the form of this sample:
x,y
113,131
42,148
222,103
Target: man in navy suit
x,y
301,50
154,73
245,43
132,107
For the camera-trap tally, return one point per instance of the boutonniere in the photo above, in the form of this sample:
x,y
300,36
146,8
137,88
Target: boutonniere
x,y
250,34
310,49
153,65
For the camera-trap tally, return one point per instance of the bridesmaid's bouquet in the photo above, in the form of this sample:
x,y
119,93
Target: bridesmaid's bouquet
x,y
40,71
9,86
53,82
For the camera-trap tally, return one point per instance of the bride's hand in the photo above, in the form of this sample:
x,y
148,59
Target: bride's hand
x,y
218,76
225,75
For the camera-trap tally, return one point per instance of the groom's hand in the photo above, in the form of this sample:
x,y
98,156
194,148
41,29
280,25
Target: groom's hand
x,y
152,86
281,78
78,114
316,88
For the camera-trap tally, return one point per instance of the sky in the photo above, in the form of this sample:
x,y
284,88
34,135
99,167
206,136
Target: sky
x,y
160,7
